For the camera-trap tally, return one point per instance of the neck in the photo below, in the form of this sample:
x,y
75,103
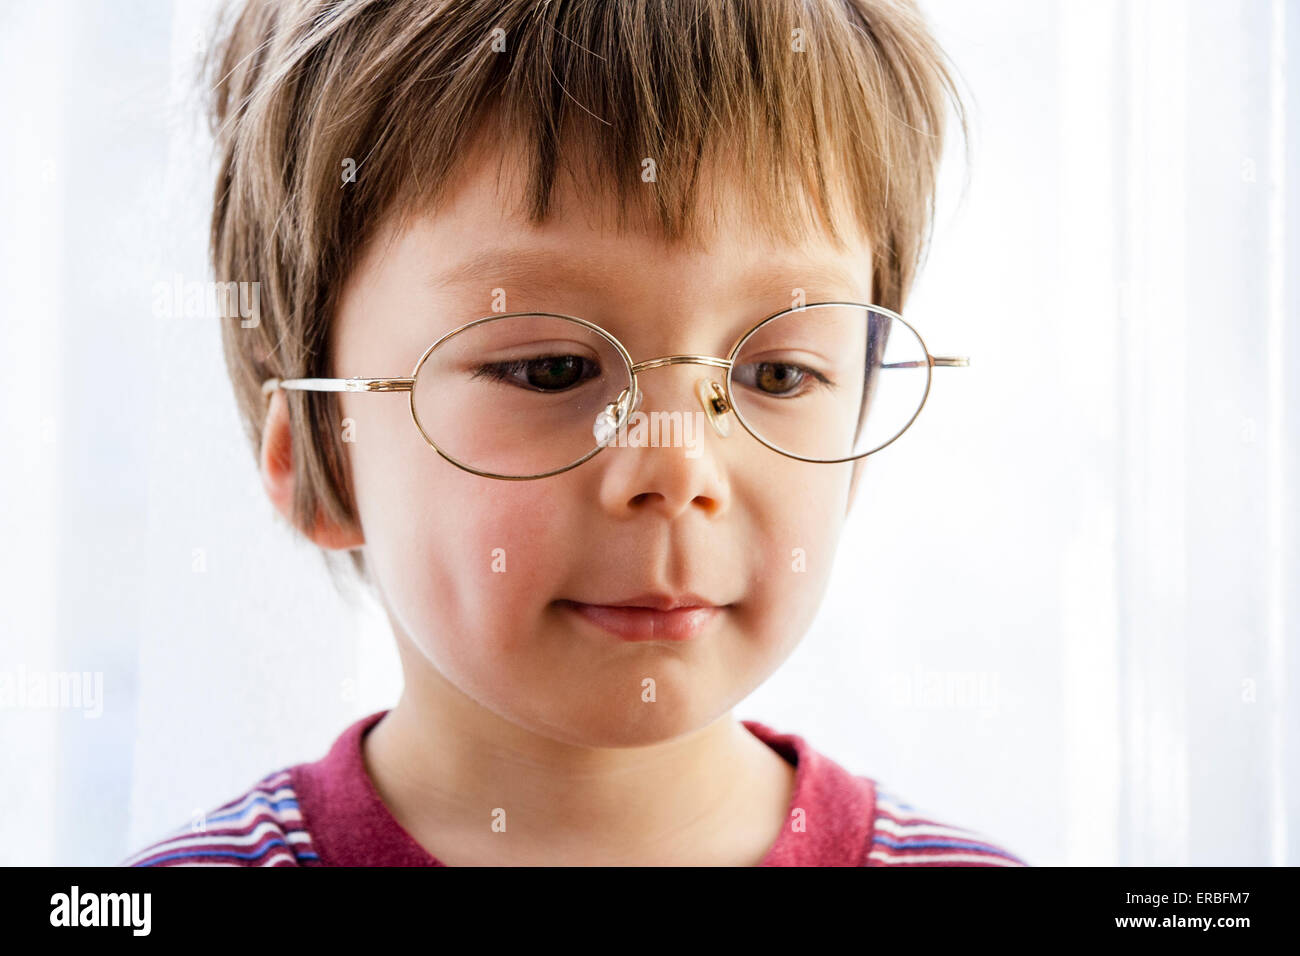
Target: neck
x,y
474,788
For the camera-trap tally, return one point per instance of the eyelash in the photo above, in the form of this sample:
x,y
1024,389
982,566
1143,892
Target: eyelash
x,y
505,371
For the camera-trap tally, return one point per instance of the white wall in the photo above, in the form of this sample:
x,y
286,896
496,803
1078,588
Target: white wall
x,y
1093,525
139,546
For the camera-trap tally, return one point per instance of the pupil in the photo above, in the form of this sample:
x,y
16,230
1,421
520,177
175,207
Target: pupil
x,y
779,376
558,372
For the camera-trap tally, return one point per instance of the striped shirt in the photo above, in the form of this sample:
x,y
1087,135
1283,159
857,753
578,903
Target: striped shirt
x,y
328,813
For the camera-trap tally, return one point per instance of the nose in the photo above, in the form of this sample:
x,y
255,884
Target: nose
x,y
661,461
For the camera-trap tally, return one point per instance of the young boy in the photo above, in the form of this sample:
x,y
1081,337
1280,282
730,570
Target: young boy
x,y
575,628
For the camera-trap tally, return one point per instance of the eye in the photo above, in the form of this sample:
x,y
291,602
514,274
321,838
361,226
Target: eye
x,y
549,373
778,379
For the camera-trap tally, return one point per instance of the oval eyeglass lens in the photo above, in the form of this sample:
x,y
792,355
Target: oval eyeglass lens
x,y
517,396
830,382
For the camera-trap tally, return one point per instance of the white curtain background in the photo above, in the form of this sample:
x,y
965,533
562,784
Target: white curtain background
x,y
1064,612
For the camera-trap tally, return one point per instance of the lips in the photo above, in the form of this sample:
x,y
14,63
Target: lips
x,y
651,617
660,602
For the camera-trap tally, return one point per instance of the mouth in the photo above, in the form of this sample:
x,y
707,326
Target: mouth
x,y
650,617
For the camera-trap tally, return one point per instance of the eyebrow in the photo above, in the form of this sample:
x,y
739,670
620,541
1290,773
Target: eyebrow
x,y
542,270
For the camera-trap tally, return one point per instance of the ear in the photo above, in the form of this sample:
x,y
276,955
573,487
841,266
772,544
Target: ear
x,y
859,467
276,464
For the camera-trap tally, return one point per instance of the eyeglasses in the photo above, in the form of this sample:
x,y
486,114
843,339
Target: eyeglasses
x,y
528,395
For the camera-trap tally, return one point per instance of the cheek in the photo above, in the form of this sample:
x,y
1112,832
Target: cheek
x,y
797,533
454,553
515,547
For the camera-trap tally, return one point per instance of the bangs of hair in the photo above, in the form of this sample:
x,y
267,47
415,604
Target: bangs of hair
x,y
828,117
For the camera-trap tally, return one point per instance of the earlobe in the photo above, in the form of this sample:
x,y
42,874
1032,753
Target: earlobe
x,y
276,465
276,458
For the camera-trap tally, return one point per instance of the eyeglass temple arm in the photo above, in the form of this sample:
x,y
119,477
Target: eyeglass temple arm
x,y
951,360
339,384
406,384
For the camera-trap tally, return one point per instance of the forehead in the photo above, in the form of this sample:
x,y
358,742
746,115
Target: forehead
x,y
482,235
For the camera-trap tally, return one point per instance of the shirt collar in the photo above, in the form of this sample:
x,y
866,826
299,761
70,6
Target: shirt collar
x,y
828,822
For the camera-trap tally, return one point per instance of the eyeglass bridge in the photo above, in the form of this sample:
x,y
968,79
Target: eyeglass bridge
x,y
711,395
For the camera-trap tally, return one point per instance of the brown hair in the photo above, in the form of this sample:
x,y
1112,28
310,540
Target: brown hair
x,y
825,108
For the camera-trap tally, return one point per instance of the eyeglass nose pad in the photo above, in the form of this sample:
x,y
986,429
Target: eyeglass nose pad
x,y
614,415
714,400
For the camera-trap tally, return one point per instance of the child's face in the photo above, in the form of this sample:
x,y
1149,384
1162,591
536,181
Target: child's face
x,y
736,522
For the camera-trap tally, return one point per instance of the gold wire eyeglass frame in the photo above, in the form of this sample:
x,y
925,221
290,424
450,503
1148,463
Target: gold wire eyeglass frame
x,y
717,401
